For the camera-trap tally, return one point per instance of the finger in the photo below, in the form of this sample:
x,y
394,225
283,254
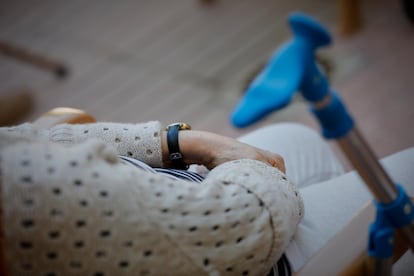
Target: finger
x,y
282,166
279,163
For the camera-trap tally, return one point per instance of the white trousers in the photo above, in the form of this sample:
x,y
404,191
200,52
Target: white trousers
x,y
331,197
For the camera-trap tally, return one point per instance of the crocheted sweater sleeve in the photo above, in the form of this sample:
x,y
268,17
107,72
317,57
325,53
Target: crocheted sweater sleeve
x,y
75,209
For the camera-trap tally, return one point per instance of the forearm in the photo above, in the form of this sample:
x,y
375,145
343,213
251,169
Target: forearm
x,y
147,142
210,149
197,147
140,141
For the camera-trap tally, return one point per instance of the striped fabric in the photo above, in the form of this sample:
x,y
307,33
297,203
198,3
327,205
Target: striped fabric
x,y
172,173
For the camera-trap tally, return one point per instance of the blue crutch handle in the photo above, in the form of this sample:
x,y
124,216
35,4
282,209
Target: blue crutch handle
x,y
291,68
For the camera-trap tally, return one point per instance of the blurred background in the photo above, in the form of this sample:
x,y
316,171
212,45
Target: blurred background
x,y
189,60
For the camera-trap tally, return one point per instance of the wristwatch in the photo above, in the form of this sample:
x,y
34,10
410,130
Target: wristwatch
x,y
173,148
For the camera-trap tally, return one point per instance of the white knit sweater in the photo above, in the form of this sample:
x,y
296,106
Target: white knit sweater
x,y
70,207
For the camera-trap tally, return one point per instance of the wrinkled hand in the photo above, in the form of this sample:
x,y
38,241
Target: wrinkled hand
x,y
243,151
228,149
211,150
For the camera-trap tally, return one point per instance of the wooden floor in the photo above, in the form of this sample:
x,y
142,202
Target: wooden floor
x,y
179,60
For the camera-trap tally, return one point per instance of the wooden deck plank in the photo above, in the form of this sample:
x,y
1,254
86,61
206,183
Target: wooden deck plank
x,y
153,58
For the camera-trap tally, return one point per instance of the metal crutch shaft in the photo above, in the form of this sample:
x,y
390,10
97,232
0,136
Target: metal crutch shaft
x,y
367,165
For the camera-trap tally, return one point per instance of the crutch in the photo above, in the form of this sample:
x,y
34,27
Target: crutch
x,y
293,68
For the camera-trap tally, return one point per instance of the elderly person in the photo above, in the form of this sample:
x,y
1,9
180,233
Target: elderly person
x,y
70,206
72,203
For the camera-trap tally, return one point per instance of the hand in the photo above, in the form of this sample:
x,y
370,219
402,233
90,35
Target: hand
x,y
211,150
236,150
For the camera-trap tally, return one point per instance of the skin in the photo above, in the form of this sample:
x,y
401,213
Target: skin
x,y
210,149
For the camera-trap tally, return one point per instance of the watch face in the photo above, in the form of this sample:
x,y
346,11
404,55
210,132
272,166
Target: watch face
x,y
184,126
181,126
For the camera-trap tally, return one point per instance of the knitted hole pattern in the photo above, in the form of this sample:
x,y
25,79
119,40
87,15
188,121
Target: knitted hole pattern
x,y
141,141
77,215
219,236
74,211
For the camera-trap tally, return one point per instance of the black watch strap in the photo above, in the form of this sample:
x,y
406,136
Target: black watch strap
x,y
175,155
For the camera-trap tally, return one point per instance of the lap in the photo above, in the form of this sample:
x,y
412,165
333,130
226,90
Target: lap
x,y
308,157
332,205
